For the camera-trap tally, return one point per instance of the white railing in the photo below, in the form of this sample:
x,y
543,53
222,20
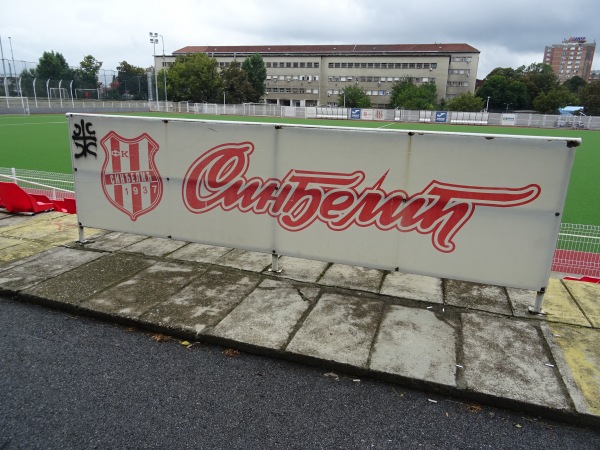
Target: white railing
x,y
53,185
578,250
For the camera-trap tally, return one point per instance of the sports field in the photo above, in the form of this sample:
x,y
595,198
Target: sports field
x,y
41,142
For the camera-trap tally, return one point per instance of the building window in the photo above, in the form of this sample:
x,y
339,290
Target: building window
x,y
267,64
309,65
330,65
316,65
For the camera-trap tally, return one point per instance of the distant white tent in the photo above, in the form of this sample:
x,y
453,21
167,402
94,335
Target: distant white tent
x,y
570,110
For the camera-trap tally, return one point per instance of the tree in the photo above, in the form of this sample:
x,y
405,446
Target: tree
x,y
236,86
256,73
465,102
539,78
549,102
590,98
504,93
575,84
194,77
407,95
53,66
87,74
133,82
354,96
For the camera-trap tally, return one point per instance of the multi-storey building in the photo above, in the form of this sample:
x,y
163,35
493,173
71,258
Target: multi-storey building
x,y
572,57
311,75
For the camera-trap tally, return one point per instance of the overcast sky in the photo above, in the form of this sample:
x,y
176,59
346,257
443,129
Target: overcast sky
x,y
508,33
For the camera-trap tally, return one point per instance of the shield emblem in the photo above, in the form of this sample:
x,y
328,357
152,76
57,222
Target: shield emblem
x,y
130,179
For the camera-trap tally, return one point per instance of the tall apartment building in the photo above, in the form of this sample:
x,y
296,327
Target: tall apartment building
x,y
572,57
315,75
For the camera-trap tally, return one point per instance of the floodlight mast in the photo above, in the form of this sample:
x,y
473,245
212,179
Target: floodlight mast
x,y
154,41
3,68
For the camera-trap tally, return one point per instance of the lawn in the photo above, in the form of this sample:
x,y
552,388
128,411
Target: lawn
x,y
41,142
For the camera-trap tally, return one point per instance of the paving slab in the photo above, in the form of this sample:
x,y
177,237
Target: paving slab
x,y
506,358
352,277
245,260
155,246
10,220
6,242
587,297
581,351
416,344
559,306
39,267
204,302
265,318
413,287
301,269
520,301
21,251
200,253
112,242
148,288
340,328
481,297
77,285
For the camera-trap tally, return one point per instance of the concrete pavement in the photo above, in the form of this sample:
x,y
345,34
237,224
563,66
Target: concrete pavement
x,y
457,338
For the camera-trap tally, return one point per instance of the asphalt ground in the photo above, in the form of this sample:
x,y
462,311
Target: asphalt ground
x,y
72,382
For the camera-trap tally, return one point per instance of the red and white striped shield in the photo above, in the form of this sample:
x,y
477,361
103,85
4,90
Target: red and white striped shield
x,y
130,179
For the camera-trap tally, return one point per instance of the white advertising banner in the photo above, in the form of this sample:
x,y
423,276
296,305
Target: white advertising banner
x,y
509,119
367,114
475,207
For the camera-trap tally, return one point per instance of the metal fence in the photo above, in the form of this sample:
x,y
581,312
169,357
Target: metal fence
x,y
522,119
55,186
577,249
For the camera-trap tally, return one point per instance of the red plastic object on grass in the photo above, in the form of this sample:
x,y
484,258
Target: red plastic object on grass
x,y
586,279
16,199
70,205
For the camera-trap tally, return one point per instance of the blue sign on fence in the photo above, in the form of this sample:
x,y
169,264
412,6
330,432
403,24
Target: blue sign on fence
x,y
355,113
441,116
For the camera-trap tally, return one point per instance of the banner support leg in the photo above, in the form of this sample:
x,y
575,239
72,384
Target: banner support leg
x,y
539,300
275,264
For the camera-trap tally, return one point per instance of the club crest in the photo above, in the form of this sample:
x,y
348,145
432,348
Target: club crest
x,y
130,179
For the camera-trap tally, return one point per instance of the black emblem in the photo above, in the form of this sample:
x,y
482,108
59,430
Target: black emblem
x,y
84,138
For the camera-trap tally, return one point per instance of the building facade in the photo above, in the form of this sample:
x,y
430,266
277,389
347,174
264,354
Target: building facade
x,y
572,57
315,75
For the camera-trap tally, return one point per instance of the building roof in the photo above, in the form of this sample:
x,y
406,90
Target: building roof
x,y
329,49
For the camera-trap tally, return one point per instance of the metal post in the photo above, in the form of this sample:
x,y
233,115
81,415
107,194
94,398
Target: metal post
x,y
4,69
539,300
164,69
275,264
81,236
154,41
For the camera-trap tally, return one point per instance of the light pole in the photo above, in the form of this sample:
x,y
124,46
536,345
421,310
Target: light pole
x,y
487,105
154,40
4,69
12,55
